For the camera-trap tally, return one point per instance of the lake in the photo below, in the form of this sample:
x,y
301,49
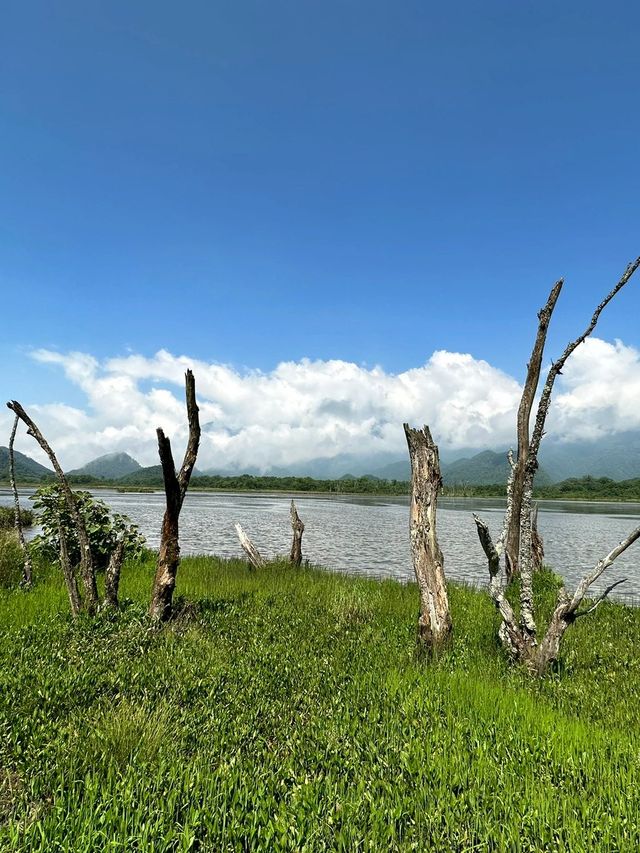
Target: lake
x,y
367,535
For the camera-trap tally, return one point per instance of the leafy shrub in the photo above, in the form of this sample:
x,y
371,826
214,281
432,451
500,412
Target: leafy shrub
x,y
7,517
11,558
104,528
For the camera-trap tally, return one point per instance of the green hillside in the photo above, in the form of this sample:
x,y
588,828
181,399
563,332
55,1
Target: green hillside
x,y
27,470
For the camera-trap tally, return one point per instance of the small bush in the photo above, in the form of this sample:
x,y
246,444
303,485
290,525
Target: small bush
x,y
7,517
11,559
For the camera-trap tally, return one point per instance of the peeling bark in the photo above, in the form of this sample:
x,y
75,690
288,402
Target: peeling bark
x,y
434,622
520,639
86,563
27,567
175,487
298,529
250,549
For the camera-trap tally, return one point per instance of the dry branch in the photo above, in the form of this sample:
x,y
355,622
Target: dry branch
x,y
27,568
112,574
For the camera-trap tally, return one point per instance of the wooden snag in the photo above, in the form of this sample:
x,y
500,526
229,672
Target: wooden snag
x,y
298,529
434,621
253,555
175,487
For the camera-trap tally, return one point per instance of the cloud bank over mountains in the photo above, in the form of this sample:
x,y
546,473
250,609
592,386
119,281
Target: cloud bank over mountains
x,y
319,409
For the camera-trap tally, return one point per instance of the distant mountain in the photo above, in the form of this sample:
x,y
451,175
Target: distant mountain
x,y
27,470
614,456
111,466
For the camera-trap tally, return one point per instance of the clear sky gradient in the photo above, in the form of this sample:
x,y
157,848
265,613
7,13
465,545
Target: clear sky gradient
x,y
253,182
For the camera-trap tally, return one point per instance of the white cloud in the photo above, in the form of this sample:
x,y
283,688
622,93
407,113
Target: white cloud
x,y
309,409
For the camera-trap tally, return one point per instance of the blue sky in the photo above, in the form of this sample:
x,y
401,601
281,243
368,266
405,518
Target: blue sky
x,y
248,183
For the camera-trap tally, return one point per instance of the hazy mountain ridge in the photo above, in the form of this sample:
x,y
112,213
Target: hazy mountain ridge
x,y
616,457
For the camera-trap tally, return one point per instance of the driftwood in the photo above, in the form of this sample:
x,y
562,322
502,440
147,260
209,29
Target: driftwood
x,y
254,556
112,574
175,487
87,571
27,568
298,529
434,621
520,638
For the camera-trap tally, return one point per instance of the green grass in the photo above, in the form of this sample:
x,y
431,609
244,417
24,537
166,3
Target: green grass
x,y
285,710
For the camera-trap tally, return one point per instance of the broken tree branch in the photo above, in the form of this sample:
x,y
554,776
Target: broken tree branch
x,y
254,556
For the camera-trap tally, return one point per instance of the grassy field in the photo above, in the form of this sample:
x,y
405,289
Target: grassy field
x,y
285,710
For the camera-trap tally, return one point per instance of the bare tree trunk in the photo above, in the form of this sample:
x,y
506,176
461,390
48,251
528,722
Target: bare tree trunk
x,y
512,547
86,563
27,568
175,487
434,622
250,549
69,574
112,575
537,543
298,530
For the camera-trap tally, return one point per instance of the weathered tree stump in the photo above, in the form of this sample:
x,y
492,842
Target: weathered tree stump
x,y
298,529
254,556
434,622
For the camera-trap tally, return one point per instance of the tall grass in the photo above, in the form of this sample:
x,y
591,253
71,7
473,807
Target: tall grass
x,y
286,710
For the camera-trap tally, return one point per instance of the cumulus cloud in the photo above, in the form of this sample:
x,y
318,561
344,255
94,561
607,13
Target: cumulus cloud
x,y
318,409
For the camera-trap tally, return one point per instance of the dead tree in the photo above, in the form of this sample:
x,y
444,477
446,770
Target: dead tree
x,y
298,529
520,636
434,621
27,568
254,556
524,418
87,571
175,487
68,573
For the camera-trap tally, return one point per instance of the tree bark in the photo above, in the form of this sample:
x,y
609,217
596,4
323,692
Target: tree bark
x,y
69,574
255,558
112,575
298,530
86,563
434,621
175,487
27,568
520,639
512,546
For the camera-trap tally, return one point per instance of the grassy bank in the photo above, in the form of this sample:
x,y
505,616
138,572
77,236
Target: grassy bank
x,y
285,711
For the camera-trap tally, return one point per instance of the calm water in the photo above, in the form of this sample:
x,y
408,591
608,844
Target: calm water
x,y
367,535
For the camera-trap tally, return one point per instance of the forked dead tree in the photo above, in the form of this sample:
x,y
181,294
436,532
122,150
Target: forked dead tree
x,y
519,636
434,621
175,488
27,568
298,529
87,571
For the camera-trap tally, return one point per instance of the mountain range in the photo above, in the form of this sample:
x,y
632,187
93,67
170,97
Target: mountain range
x,y
616,457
